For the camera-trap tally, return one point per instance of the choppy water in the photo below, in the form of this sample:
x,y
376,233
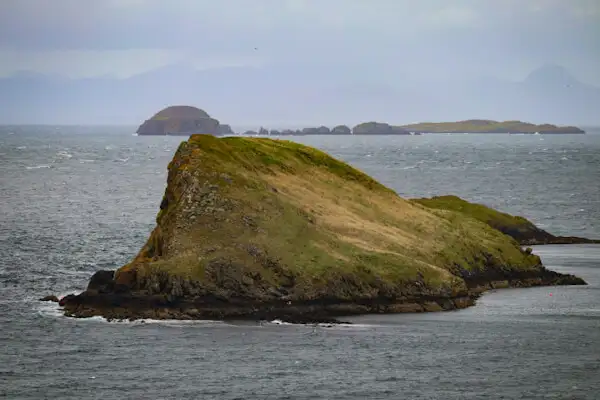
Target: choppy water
x,y
76,200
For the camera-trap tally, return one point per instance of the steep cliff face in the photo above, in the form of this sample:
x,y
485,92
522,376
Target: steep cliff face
x,y
261,228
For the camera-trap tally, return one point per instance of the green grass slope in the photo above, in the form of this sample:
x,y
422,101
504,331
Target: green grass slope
x,y
256,218
519,228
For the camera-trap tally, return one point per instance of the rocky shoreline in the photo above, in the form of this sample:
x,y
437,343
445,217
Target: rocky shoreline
x,y
558,240
105,298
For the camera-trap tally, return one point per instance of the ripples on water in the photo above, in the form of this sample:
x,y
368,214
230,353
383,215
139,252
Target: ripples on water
x,y
72,203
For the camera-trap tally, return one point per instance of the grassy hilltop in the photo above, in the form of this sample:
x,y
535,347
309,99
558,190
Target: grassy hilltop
x,y
261,228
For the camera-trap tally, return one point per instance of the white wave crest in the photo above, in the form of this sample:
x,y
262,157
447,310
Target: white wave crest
x,y
39,166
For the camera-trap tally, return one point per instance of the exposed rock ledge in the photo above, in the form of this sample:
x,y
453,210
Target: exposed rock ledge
x,y
263,229
103,298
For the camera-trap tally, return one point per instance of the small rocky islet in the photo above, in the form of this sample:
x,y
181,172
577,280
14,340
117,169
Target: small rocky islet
x,y
262,229
188,120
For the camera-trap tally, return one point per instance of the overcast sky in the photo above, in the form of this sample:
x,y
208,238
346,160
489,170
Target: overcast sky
x,y
416,38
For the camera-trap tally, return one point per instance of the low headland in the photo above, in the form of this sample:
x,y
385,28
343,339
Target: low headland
x,y
262,229
522,230
188,120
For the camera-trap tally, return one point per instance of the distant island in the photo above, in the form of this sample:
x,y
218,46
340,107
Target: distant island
x,y
489,126
188,120
182,120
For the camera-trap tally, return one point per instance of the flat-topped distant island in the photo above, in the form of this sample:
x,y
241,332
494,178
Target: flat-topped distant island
x,y
188,120
489,126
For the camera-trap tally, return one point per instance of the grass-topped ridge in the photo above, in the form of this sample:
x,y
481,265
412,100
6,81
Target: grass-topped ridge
x,y
488,126
519,228
275,156
498,220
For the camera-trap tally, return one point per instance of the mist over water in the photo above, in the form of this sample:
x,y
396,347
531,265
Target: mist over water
x,y
75,200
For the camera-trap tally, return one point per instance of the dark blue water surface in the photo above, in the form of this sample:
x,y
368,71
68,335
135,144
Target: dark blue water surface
x,y
75,200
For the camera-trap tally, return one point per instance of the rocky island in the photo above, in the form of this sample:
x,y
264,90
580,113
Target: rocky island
x,y
182,120
254,228
489,126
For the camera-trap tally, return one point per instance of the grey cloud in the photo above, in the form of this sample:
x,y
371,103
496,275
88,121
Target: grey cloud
x,y
192,23
362,37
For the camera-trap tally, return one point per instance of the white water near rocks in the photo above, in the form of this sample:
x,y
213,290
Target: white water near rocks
x,y
85,199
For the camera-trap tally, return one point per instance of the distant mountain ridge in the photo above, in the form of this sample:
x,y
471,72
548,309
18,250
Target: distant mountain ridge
x,y
291,95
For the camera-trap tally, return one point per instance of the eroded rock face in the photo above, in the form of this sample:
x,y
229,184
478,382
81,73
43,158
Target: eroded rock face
x,y
102,282
253,228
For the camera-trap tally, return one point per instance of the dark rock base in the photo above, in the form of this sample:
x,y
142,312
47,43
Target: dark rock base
x,y
537,241
133,306
50,298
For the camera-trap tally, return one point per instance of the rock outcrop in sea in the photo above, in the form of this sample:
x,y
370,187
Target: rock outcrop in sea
x,y
225,129
378,128
254,228
182,120
341,130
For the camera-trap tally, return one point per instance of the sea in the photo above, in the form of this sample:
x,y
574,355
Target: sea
x,y
74,200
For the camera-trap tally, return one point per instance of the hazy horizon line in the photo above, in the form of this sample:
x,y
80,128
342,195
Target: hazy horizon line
x,y
274,126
